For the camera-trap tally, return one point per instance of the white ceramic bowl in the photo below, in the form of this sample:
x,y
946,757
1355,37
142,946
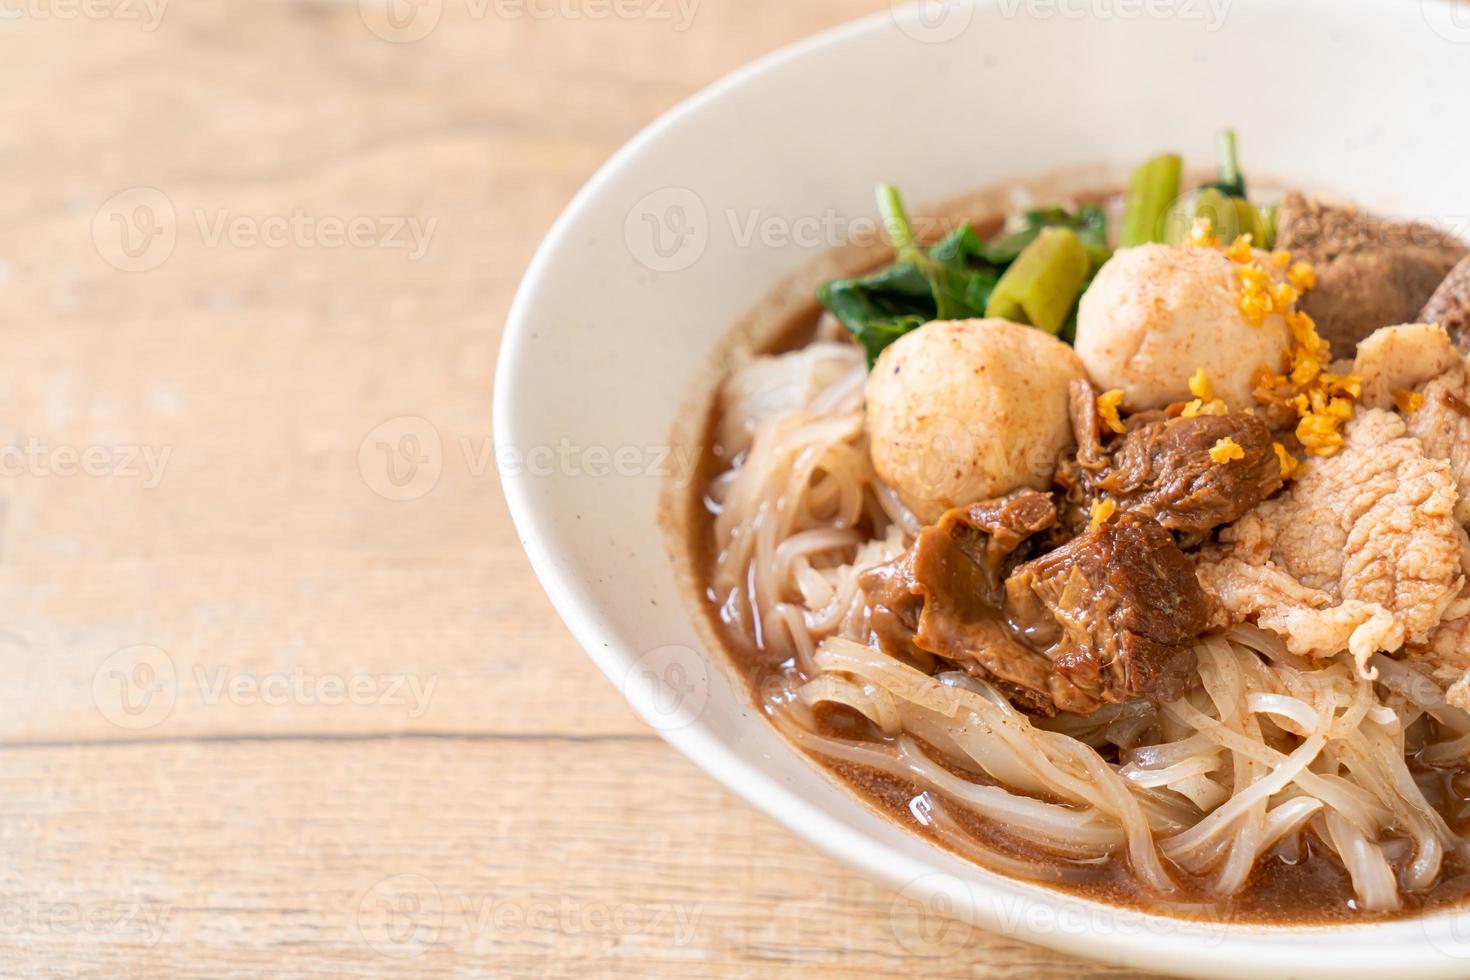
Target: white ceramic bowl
x,y
701,215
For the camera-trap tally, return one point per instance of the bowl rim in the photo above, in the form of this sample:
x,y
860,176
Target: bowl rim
x,y
1245,949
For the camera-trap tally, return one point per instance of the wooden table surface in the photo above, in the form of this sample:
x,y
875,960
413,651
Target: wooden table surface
x,y
266,715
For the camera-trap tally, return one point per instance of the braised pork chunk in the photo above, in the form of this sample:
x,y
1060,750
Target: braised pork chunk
x,y
1103,618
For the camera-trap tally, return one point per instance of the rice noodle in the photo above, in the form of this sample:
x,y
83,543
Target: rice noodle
x,y
1352,801
1447,753
1262,641
1372,876
873,703
1419,689
1171,753
1056,827
1169,775
1266,750
1205,793
988,857
1294,709
1288,818
1219,819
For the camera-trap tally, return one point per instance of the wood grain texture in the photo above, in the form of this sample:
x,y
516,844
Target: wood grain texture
x,y
260,717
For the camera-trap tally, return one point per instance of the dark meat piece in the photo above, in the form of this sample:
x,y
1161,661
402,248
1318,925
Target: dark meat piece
x,y
946,597
1164,470
989,532
1162,467
1371,272
956,568
1086,426
1450,306
1074,506
1117,607
954,573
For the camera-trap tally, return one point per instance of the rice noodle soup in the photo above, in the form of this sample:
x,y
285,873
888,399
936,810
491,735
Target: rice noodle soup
x,y
1119,545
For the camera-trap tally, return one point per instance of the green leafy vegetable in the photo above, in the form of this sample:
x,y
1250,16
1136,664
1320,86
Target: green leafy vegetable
x,y
1224,203
881,308
1090,223
955,279
1267,218
1042,285
1230,182
1154,187
1229,217
949,282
